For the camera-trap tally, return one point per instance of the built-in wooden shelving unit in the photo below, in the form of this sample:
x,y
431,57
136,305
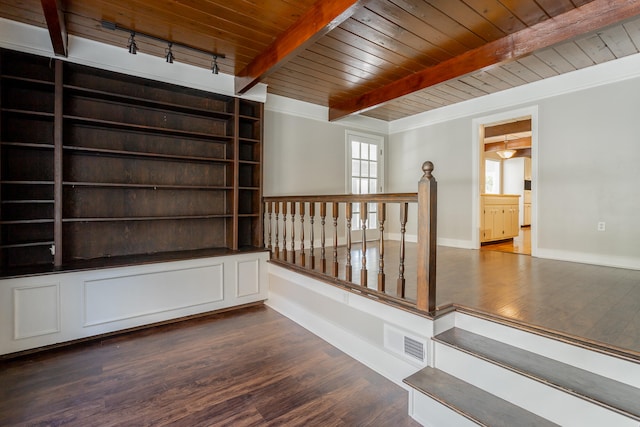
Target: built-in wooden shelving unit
x,y
100,165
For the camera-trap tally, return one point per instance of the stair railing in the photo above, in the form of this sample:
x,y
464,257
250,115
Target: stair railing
x,y
285,214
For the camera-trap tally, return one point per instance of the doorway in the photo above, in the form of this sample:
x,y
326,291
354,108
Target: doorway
x,y
505,189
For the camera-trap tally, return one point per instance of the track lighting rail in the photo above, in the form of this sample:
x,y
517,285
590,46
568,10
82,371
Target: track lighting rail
x,y
133,48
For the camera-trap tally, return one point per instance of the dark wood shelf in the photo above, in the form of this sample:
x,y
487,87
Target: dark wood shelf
x,y
27,221
22,182
158,156
27,112
147,218
44,146
249,140
27,245
29,80
249,162
148,186
134,169
27,201
133,100
143,128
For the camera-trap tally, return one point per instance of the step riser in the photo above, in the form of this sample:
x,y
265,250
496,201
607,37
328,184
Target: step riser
x,y
534,396
431,413
617,369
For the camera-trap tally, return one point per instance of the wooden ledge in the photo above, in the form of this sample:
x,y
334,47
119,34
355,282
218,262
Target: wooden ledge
x,y
124,261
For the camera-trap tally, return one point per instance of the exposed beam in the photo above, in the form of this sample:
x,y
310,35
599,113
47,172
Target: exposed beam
x,y
321,18
507,128
54,16
590,17
512,144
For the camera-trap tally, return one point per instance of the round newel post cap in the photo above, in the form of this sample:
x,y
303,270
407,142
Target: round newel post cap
x,y
427,168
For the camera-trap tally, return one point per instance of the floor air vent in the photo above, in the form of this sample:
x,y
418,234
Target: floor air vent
x,y
409,347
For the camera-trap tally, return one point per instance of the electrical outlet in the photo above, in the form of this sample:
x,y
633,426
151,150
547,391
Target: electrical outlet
x,y
601,226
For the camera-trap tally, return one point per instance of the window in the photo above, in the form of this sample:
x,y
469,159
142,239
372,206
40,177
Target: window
x,y
365,171
492,176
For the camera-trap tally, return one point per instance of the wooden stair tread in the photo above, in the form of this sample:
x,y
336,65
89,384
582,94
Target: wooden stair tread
x,y
606,392
472,402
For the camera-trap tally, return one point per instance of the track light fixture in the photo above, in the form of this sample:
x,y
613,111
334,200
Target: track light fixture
x,y
169,56
133,48
214,66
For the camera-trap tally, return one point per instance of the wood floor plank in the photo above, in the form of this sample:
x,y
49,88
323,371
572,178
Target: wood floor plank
x,y
588,301
252,367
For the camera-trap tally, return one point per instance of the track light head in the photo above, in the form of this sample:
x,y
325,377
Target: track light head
x,y
214,66
133,48
169,56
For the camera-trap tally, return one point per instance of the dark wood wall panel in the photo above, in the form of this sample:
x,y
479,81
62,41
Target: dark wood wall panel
x,y
101,202
125,238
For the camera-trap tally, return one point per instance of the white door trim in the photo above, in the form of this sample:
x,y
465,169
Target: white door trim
x,y
476,124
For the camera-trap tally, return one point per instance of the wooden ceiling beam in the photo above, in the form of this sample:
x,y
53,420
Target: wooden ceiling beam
x,y
587,18
507,128
512,144
321,18
54,16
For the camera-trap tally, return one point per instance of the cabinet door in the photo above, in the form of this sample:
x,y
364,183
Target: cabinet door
x,y
511,221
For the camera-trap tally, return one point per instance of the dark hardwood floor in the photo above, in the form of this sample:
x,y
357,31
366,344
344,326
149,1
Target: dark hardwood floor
x,y
251,367
599,304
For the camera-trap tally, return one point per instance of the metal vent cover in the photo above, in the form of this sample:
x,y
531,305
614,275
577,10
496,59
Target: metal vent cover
x,y
414,348
411,348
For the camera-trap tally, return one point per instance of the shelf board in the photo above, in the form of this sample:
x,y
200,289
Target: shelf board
x,y
27,245
249,162
19,202
27,112
28,145
19,182
158,156
249,188
28,80
249,140
147,186
143,128
146,218
150,103
26,221
245,215
251,118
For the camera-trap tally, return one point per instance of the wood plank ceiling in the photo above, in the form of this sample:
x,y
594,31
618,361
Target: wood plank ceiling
x,y
386,59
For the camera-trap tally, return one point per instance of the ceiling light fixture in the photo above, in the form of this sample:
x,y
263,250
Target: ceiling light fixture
x,y
506,153
169,56
214,66
133,48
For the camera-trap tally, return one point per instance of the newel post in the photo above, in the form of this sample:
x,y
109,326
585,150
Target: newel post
x,y
427,238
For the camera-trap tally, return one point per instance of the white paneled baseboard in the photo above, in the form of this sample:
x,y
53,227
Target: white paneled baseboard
x,y
124,297
36,310
39,311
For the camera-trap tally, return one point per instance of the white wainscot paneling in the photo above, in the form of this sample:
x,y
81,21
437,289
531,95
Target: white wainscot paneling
x,y
124,297
36,310
248,278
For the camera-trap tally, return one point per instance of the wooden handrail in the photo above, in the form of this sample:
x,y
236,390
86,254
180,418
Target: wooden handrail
x,y
426,200
346,198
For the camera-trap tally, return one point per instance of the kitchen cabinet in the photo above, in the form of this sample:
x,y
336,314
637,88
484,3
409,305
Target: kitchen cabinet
x,y
500,217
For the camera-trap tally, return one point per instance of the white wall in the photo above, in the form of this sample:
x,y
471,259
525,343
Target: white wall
x,y
586,167
302,156
587,171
